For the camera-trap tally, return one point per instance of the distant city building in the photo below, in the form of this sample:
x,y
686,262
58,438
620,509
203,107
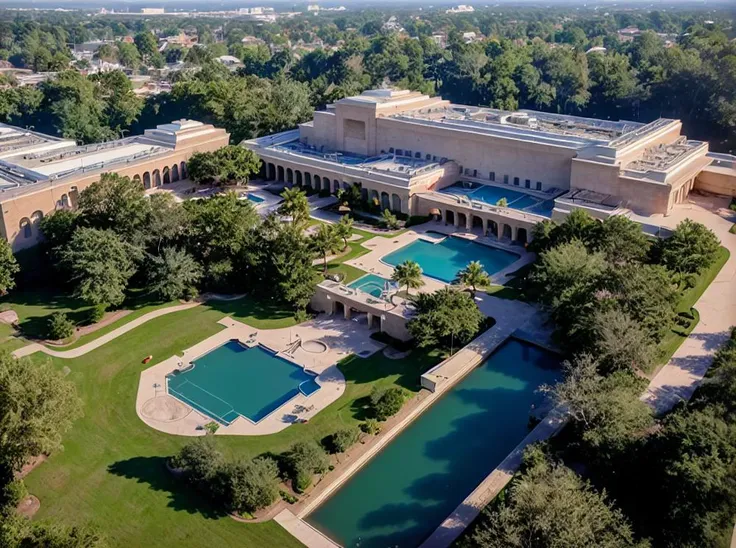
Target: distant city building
x,y
597,49
392,25
40,174
440,38
312,7
470,37
462,8
152,11
251,41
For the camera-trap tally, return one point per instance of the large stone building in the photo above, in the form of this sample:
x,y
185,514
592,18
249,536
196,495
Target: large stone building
x,y
418,155
40,174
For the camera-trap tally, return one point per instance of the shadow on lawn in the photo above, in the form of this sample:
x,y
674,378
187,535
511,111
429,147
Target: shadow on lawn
x,y
250,307
153,471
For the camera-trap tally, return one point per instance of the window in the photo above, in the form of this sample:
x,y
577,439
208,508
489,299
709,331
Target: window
x,y
408,153
467,171
434,158
391,150
475,173
399,152
492,175
516,181
417,155
505,179
25,226
539,185
428,157
528,183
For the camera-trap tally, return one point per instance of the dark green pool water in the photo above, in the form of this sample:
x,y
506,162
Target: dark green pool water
x,y
402,495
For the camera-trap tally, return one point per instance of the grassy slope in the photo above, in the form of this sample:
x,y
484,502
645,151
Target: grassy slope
x,y
675,337
111,472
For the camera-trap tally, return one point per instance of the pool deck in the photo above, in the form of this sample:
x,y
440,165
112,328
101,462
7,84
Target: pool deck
x,y
341,337
382,246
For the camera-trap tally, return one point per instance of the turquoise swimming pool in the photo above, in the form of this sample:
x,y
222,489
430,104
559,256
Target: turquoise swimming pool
x,y
444,259
373,284
400,496
234,380
255,199
490,194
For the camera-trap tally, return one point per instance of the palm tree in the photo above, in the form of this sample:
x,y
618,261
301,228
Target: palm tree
x,y
344,229
295,204
474,275
408,274
324,241
389,219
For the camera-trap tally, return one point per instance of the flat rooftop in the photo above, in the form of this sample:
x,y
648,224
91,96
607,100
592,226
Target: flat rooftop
x,y
566,130
389,163
28,157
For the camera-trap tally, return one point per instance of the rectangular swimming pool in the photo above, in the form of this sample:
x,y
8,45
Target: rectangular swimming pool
x,y
372,284
234,380
403,494
255,199
444,259
490,194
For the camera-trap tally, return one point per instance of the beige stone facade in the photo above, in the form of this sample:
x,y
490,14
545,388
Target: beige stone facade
x,y
41,174
403,149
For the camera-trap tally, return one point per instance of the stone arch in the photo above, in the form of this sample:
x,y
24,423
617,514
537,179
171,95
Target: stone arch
x,y
183,170
375,198
36,218
345,186
137,179
507,232
299,180
335,186
449,217
307,178
521,235
25,227
477,222
317,182
364,193
174,173
146,180
74,196
156,178
280,173
492,229
462,219
271,172
167,175
385,201
64,203
289,175
396,203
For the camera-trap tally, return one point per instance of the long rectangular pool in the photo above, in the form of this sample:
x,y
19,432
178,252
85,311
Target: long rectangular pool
x,y
403,494
444,259
233,380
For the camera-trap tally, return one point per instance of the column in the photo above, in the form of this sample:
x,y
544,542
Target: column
x,y
469,222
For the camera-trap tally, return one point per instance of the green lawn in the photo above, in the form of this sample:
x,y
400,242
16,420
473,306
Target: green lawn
x,y
676,336
111,472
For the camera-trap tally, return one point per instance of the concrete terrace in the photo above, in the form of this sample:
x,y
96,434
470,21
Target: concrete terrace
x,y
342,338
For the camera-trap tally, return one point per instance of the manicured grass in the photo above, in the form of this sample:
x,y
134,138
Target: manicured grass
x,y
111,472
675,336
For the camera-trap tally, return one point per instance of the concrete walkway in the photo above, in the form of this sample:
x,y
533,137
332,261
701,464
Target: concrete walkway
x,y
103,339
678,379
302,531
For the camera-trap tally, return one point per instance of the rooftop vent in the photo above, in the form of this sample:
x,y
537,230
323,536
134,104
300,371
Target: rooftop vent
x,y
520,119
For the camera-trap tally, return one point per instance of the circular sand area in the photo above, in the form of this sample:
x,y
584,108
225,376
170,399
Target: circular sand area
x,y
164,408
314,347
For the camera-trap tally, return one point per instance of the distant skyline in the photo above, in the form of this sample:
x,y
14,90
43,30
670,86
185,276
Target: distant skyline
x,y
204,5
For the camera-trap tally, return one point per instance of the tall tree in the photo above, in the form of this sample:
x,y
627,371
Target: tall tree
x,y
447,317
172,273
474,275
324,241
116,203
8,267
100,264
295,205
38,406
408,274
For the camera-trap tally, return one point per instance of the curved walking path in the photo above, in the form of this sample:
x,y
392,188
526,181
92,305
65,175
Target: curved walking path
x,y
103,339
